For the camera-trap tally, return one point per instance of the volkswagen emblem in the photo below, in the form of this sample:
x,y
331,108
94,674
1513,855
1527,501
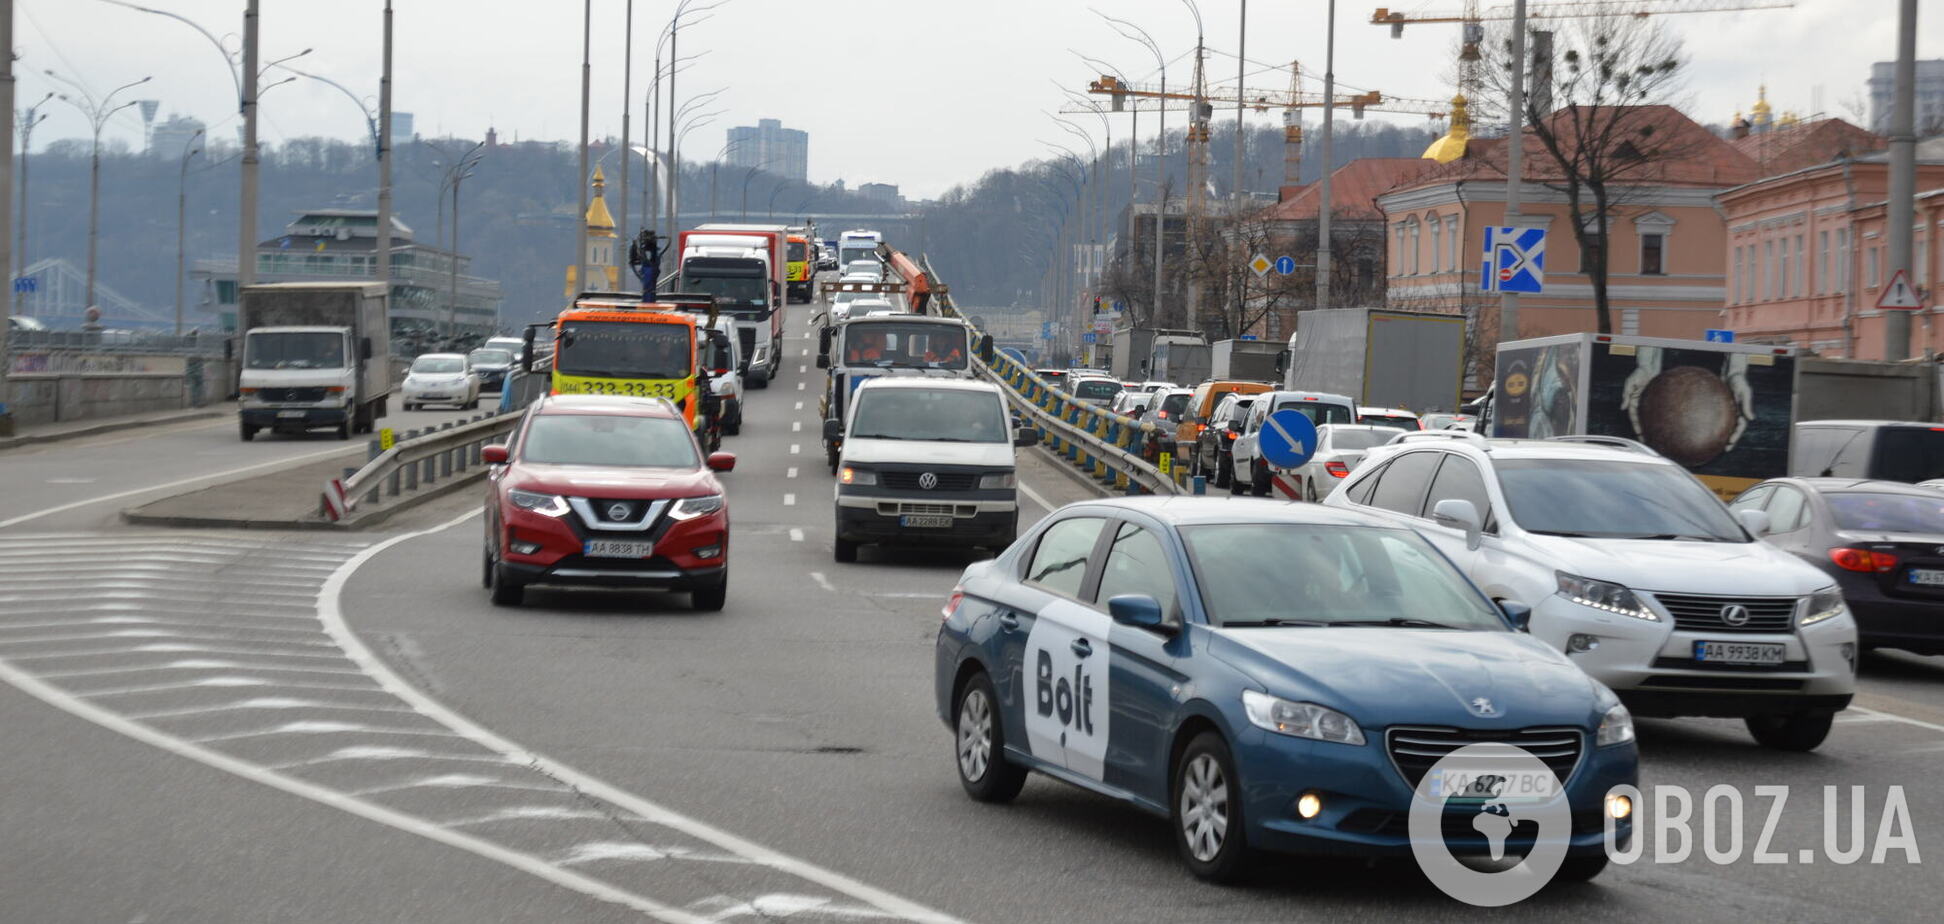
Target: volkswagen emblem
x,y
928,481
1734,614
1483,707
618,512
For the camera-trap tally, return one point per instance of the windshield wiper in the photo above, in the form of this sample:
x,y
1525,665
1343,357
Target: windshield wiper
x,y
874,436
1254,623
1556,532
1669,536
1408,622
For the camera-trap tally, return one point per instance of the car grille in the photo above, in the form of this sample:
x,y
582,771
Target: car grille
x,y
310,395
1414,750
1698,613
1456,825
890,509
947,481
748,337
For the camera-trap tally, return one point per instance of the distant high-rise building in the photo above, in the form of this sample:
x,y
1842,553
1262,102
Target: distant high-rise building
x,y
1930,96
886,193
168,137
401,127
767,145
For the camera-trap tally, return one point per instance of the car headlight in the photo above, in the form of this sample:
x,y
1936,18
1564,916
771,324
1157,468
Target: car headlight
x,y
552,505
1616,727
1824,604
1299,720
857,476
688,508
1603,595
995,481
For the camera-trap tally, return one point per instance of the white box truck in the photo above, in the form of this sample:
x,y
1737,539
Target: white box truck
x,y
316,355
1244,360
1405,359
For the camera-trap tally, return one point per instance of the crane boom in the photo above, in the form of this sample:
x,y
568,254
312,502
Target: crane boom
x,y
1572,9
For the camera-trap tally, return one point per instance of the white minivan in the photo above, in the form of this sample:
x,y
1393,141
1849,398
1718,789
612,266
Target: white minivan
x,y
926,461
1624,561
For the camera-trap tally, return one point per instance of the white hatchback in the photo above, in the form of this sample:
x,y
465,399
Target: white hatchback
x,y
1634,569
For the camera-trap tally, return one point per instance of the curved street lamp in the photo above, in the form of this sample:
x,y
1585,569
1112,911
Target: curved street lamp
x,y
97,112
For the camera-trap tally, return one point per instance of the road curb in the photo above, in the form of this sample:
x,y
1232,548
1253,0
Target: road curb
x,y
134,516
30,439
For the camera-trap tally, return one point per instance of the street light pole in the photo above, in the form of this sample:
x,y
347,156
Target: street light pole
x,y
1324,270
6,194
247,210
28,119
1515,161
580,179
627,111
97,112
1903,175
383,245
189,150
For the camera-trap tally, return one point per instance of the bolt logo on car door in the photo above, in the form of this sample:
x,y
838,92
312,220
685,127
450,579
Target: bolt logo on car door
x,y
1067,696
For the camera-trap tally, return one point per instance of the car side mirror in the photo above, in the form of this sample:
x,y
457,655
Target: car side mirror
x,y
1025,436
364,348
496,454
1755,521
1138,610
1518,613
722,461
833,430
1453,513
986,351
1282,361
823,360
526,351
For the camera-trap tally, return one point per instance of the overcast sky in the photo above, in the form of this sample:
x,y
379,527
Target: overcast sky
x,y
921,93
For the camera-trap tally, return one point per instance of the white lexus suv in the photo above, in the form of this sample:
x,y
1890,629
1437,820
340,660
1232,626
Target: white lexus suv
x,y
1628,564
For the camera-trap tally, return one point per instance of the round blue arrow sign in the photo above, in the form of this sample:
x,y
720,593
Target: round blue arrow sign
x,y
1288,438
1285,265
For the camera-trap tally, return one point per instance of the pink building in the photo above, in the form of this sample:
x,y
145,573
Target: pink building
x,y
1808,254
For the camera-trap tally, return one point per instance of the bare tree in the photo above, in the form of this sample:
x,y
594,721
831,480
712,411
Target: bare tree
x,y
1608,130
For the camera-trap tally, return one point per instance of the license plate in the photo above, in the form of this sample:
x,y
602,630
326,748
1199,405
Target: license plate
x,y
1929,577
1493,785
615,548
1739,652
290,413
925,522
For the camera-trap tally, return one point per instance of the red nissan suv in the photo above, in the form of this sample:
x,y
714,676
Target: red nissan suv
x,y
606,491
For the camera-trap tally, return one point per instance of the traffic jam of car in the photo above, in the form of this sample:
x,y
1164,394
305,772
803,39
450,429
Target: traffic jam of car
x,y
1372,599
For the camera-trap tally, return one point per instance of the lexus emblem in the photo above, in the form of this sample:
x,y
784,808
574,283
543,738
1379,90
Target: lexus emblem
x,y
928,481
618,512
1483,706
1734,614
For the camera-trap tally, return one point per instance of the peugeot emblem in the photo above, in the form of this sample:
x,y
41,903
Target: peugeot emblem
x,y
928,481
1483,706
1734,614
618,512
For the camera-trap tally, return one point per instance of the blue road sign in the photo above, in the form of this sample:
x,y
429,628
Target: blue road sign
x,y
1248,336
1087,337
1288,438
1285,265
1716,335
1046,330
26,284
1515,260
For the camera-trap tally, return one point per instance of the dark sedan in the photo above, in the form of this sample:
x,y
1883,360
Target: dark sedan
x,y
1883,542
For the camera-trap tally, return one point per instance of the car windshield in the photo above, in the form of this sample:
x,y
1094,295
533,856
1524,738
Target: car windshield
x,y
1910,454
625,350
1613,499
943,414
1321,413
1872,511
1256,574
294,350
1358,439
1174,404
1385,420
798,252
903,344
1096,388
439,365
491,358
609,440
730,291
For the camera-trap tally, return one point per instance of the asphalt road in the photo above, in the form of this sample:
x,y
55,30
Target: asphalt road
x,y
285,727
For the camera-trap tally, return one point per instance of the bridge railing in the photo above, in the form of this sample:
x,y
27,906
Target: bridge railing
x,y
422,459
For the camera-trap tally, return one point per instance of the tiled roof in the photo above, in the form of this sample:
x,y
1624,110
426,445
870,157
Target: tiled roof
x,y
1693,155
1807,144
1354,188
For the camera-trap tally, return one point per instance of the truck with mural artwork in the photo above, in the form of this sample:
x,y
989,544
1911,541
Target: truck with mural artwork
x,y
1721,410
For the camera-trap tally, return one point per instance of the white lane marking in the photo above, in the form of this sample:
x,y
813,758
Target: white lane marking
x,y
795,448
796,535
315,727
263,702
330,612
72,480
1879,715
778,905
822,581
806,351
223,681
789,500
1035,497
199,664
802,369
796,426
530,813
166,647
799,388
216,476
524,862
632,851
455,781
386,752
790,472
799,405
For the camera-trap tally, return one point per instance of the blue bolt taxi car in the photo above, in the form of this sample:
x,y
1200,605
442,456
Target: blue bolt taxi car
x,y
1268,677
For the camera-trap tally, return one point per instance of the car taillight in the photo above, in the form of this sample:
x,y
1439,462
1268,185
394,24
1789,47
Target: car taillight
x,y
1337,469
1201,429
952,603
1161,414
1228,435
1863,560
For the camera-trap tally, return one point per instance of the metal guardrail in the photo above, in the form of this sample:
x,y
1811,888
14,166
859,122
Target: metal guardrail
x,y
422,458
1106,446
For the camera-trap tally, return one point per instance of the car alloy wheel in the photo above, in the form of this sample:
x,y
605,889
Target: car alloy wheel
x,y
1204,807
975,735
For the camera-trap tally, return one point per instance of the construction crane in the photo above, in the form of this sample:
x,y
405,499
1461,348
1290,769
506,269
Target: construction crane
x,y
1291,102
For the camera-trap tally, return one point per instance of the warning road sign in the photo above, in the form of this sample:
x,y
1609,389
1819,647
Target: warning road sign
x,y
1898,295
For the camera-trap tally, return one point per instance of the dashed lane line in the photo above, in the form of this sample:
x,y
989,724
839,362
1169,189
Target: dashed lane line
x,y
789,500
